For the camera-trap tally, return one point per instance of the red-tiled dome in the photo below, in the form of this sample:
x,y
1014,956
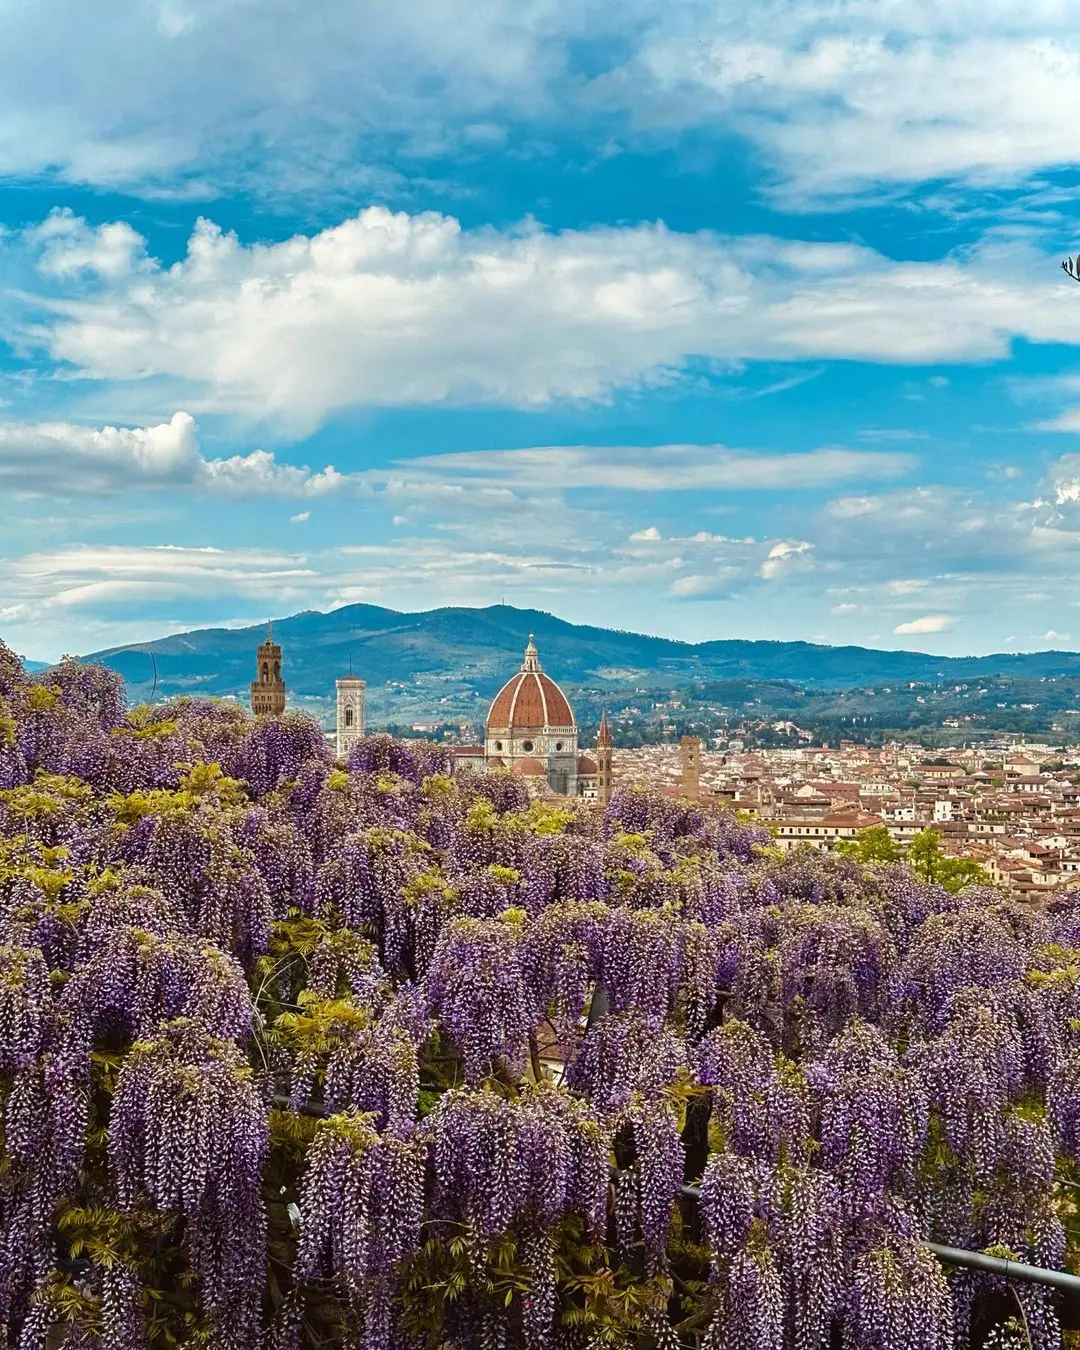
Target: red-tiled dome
x,y
529,767
586,765
530,701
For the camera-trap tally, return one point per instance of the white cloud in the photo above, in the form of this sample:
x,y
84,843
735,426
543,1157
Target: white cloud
x,y
59,458
300,517
848,508
92,579
62,459
929,623
296,93
1051,636
845,608
699,586
258,474
908,508
398,309
897,92
146,91
67,245
646,535
1067,420
781,555
1064,479
657,468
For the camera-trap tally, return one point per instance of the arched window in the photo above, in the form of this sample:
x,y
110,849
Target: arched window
x,y
277,670
348,717
265,673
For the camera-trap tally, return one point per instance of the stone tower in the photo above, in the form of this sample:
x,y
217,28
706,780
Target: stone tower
x,y
350,712
268,691
690,750
603,762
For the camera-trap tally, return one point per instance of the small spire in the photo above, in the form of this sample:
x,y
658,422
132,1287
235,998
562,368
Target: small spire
x,y
532,659
269,630
603,736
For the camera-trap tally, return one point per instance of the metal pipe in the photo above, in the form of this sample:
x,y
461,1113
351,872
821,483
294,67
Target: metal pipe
x,y
307,1108
982,1261
1008,1270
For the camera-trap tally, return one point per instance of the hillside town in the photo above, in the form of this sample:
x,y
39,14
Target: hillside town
x,y
1014,808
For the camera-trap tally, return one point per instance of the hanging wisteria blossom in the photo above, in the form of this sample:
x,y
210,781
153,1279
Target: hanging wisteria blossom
x,y
300,1055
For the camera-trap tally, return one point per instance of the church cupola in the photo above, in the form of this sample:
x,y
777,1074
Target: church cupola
x,y
530,722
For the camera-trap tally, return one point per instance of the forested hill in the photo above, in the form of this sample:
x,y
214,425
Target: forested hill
x,y
483,646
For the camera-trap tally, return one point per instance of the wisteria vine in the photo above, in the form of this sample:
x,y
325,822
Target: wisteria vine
x,y
298,1053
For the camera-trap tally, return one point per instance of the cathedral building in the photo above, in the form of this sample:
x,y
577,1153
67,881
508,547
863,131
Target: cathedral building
x,y
531,731
268,690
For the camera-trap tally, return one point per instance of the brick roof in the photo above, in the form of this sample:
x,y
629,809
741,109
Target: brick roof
x,y
529,701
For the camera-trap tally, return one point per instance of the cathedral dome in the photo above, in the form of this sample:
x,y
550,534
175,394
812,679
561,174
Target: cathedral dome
x,y
529,701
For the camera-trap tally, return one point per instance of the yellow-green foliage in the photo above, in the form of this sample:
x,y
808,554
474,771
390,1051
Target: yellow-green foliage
x,y
41,699
49,795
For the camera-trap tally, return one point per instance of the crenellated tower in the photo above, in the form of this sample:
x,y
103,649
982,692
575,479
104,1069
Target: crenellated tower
x,y
268,690
604,776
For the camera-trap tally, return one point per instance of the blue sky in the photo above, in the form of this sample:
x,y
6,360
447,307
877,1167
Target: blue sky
x,y
664,316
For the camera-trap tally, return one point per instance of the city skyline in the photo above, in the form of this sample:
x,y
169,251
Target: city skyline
x,y
703,326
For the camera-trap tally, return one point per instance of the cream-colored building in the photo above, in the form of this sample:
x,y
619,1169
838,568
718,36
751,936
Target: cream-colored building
x,y
350,712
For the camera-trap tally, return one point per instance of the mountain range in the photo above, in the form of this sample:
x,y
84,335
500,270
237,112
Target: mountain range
x,y
477,649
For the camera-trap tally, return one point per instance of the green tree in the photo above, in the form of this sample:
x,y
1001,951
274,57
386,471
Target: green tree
x,y
930,863
925,856
874,845
961,872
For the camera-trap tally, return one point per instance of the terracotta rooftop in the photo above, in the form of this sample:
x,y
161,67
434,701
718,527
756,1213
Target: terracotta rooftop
x,y
530,700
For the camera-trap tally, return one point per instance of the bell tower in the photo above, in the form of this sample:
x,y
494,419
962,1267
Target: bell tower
x,y
603,762
350,712
690,750
268,689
